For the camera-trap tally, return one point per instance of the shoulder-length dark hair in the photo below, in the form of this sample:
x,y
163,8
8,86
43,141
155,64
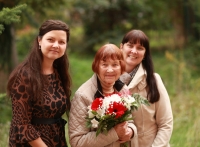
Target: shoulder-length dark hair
x,y
137,36
108,51
33,63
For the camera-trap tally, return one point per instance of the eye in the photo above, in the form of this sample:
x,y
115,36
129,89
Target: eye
x,y
141,48
62,42
130,45
50,39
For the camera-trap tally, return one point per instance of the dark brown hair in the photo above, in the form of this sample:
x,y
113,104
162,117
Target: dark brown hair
x,y
137,36
108,51
32,65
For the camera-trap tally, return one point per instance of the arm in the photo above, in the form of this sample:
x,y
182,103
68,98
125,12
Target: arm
x,y
80,135
37,143
22,112
164,117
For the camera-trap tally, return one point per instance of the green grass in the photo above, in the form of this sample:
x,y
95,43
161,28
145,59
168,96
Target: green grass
x,y
81,70
182,87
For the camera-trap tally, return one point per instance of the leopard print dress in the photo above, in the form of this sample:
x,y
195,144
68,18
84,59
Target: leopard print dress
x,y
52,104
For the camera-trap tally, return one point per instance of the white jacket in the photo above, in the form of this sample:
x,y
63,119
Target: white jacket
x,y
155,122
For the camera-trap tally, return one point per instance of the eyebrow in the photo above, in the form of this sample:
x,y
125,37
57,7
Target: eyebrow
x,y
128,43
54,38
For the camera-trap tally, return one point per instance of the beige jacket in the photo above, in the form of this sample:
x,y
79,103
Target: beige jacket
x,y
80,135
155,122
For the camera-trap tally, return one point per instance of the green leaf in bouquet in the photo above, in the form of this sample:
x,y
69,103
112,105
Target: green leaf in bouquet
x,y
140,99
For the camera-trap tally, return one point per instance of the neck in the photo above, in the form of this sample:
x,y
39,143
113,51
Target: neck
x,y
129,68
107,90
47,68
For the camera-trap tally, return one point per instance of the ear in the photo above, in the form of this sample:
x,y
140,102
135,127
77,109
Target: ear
x,y
121,46
39,40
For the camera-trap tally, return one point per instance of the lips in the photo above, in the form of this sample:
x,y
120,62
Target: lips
x,y
54,51
132,57
109,75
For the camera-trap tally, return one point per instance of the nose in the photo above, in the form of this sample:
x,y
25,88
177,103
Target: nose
x,y
55,44
134,50
110,69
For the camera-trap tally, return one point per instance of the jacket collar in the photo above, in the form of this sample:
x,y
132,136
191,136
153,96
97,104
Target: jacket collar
x,y
139,78
99,93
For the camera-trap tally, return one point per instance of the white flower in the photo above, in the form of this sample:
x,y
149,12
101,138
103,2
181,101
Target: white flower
x,y
128,101
90,114
113,98
100,112
94,123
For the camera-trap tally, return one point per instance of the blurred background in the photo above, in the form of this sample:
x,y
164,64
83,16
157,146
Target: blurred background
x,y
173,28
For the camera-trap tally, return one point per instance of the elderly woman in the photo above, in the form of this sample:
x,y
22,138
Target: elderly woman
x,y
108,65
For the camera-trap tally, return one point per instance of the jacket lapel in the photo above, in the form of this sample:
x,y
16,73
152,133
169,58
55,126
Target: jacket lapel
x,y
139,76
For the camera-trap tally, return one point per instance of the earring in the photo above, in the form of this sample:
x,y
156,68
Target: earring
x,y
39,47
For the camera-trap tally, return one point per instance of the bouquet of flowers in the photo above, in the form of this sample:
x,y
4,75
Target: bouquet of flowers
x,y
105,113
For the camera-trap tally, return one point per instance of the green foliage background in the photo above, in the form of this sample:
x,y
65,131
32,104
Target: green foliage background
x,y
172,26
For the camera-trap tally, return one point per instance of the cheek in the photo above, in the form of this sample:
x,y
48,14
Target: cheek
x,y
63,50
119,71
100,72
142,54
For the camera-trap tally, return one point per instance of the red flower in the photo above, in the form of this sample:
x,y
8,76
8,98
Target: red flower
x,y
117,109
96,103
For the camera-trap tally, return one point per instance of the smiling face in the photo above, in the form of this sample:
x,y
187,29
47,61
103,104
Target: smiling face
x,y
133,54
109,71
53,45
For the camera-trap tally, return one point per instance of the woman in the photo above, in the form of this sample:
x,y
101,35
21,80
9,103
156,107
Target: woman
x,y
155,122
40,90
107,66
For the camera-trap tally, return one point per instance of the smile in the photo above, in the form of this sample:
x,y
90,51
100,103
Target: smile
x,y
54,51
133,57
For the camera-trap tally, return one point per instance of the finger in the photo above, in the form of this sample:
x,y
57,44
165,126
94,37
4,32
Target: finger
x,y
121,141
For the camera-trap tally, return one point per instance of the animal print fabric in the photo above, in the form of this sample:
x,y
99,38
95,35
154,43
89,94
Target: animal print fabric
x,y
52,104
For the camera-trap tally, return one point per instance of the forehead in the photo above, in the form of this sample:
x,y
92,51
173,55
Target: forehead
x,y
135,43
56,34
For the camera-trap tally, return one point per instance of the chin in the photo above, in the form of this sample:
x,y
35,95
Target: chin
x,y
110,83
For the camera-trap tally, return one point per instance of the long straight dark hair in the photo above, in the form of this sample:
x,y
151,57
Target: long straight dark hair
x,y
137,36
32,65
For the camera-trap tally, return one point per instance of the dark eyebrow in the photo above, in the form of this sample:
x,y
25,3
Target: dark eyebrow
x,y
141,46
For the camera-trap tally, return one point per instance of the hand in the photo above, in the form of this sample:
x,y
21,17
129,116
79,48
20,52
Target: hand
x,y
127,136
121,129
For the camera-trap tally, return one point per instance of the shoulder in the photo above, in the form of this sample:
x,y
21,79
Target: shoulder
x,y
20,73
86,91
157,77
86,86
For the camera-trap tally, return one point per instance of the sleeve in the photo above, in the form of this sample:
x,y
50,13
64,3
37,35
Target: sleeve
x,y
80,135
134,140
164,116
21,130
